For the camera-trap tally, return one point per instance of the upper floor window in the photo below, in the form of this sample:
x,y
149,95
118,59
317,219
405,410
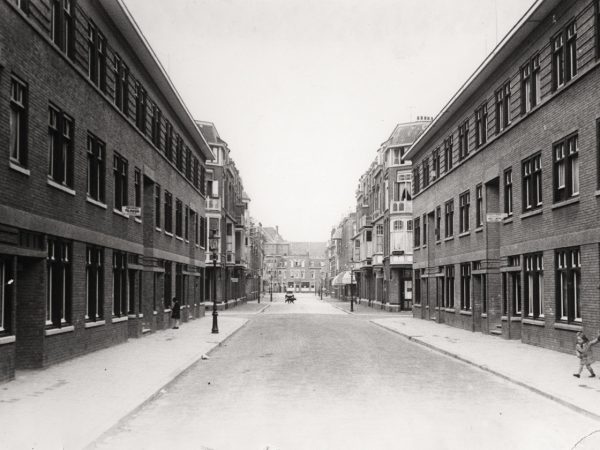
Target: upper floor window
x,y
416,187
121,75
449,218
425,172
463,140
448,142
60,147
18,121
481,123
169,141
96,57
141,99
178,218
566,168
508,192
438,223
96,163
156,125
168,212
464,201
23,5
188,163
435,172
530,84
532,182
502,98
179,153
478,206
120,169
137,180
63,25
417,231
564,56
157,202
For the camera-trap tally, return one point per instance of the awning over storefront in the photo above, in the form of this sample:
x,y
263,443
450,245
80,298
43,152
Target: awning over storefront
x,y
343,278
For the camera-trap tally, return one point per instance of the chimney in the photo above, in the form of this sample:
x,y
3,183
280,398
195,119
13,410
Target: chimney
x,y
277,228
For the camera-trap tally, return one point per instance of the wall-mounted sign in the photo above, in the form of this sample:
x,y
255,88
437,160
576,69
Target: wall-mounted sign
x,y
135,211
234,280
495,217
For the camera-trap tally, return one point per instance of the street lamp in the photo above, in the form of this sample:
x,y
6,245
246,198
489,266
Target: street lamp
x,y
352,285
214,248
271,284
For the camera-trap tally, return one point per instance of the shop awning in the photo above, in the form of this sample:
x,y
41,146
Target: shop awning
x,y
343,278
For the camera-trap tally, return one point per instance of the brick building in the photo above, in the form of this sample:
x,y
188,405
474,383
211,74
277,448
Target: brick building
x,y
382,240
91,127
506,187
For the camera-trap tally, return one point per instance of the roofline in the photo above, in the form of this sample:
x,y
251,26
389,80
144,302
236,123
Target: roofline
x,y
126,24
528,22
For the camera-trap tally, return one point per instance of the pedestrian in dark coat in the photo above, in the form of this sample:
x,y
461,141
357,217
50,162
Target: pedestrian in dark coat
x,y
583,350
175,312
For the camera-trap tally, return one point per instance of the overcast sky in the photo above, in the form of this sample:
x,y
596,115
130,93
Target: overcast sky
x,y
304,91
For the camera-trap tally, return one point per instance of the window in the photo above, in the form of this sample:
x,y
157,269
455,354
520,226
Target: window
x,y
5,296
120,167
448,142
417,290
511,288
155,125
438,223
23,5
416,187
188,163
157,202
62,24
168,212
120,294
478,206
449,286
179,153
465,287
202,186
417,233
463,140
18,121
508,192
564,56
169,141
481,122
464,202
534,285
378,239
449,218
435,173
203,232
95,283
96,57
566,168
141,100
58,286
502,97
167,289
60,147
532,182
178,218
196,174
195,226
568,282
186,223
530,84
95,168
121,75
424,229
425,173
137,181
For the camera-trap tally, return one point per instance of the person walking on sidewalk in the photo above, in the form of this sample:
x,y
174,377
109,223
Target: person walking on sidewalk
x,y
583,350
175,312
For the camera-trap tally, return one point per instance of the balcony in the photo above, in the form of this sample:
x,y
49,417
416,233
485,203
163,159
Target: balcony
x,y
209,260
213,204
401,206
230,258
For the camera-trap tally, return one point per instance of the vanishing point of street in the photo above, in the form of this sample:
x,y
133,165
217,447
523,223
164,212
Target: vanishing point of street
x,y
310,375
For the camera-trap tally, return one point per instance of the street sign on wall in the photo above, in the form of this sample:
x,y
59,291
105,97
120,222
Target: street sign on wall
x,y
495,217
135,211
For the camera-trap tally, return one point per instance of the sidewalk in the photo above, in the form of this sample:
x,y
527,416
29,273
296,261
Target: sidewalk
x,y
540,370
71,404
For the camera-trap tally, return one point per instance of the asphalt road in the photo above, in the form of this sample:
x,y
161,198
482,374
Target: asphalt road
x,y
311,376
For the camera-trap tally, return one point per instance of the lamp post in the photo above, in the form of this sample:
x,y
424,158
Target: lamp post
x,y
352,285
271,284
214,247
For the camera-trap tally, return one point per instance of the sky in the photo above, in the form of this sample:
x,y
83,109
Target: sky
x,y
305,91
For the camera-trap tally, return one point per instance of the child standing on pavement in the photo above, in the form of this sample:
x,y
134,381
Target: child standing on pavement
x,y
176,313
583,350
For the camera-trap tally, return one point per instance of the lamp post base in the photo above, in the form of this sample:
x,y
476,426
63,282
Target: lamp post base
x,y
215,325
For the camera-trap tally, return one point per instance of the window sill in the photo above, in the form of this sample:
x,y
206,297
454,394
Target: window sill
x,y
120,213
568,202
137,220
568,326
168,233
464,233
60,187
95,324
449,238
134,316
466,313
18,168
158,229
598,193
179,238
96,202
53,331
536,322
155,313
479,229
508,220
7,340
484,315
119,319
535,212
450,310
167,310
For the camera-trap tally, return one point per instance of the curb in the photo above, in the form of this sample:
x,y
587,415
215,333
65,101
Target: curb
x,y
485,368
182,370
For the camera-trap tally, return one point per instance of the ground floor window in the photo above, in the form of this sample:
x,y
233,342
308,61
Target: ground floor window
x,y
449,281
465,287
5,284
120,293
58,284
94,273
511,294
417,299
167,285
534,285
568,282
180,284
